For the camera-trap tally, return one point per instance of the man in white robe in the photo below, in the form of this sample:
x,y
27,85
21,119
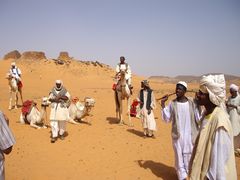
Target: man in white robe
x,y
17,74
59,114
123,66
147,104
213,154
184,115
233,108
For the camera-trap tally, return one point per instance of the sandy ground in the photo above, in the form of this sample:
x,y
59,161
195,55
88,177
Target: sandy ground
x,y
102,150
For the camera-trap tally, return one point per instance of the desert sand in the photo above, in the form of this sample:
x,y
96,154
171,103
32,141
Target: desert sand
x,y
102,150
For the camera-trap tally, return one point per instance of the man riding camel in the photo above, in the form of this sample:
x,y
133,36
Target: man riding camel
x,y
16,73
123,66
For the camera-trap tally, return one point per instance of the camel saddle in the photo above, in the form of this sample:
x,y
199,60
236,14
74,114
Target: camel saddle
x,y
27,106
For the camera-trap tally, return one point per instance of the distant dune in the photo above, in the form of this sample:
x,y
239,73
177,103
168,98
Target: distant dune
x,y
190,78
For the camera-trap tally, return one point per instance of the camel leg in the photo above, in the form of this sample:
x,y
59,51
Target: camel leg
x,y
34,125
20,91
128,112
117,103
16,100
120,113
10,101
21,119
70,120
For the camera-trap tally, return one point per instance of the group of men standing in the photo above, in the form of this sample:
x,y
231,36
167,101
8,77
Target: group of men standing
x,y
202,129
202,133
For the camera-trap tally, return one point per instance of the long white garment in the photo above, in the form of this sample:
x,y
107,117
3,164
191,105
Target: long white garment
x,y
58,127
220,151
183,145
234,114
15,72
148,120
128,72
58,112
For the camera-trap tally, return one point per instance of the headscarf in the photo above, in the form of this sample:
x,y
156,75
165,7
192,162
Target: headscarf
x,y
13,64
234,87
58,82
215,86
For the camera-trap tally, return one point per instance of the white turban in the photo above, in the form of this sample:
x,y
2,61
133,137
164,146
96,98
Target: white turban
x,y
59,82
215,86
183,83
13,64
234,87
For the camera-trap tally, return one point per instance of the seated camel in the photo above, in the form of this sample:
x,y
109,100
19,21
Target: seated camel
x,y
31,115
78,110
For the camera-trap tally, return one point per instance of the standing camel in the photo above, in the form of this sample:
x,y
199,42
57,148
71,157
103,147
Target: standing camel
x,y
13,91
122,91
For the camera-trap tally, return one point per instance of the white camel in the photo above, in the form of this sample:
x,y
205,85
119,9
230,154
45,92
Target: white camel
x,y
36,118
78,111
13,91
122,91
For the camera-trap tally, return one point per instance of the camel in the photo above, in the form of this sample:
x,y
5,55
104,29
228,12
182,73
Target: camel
x,y
35,117
13,91
78,111
122,91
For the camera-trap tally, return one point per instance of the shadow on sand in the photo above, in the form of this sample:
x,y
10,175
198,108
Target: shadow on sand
x,y
112,120
160,170
136,132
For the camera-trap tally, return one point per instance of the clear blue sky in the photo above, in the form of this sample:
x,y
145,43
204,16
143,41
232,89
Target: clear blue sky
x,y
157,37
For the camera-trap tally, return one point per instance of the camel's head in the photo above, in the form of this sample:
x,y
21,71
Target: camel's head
x,y
45,102
89,102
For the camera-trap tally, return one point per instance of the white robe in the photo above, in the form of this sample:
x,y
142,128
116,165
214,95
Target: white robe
x,y
234,116
148,120
221,149
58,113
183,145
15,72
128,75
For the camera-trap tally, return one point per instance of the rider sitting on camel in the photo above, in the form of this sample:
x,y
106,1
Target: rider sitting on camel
x,y
123,66
16,73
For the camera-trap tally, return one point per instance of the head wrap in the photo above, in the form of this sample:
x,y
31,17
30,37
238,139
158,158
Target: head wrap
x,y
13,64
234,87
145,83
58,82
182,83
215,86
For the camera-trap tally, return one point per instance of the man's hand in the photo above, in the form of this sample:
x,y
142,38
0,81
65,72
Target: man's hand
x,y
164,99
149,111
